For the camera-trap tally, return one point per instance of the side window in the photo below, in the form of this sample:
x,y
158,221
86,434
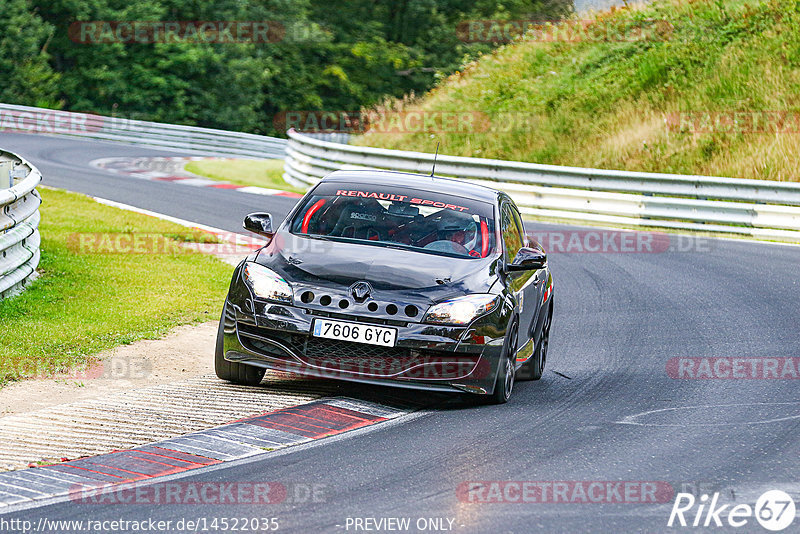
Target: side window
x,y
520,226
512,236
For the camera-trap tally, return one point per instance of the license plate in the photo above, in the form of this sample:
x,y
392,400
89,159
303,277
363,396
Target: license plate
x,y
355,332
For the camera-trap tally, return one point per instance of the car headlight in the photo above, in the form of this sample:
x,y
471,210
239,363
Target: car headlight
x,y
266,284
461,310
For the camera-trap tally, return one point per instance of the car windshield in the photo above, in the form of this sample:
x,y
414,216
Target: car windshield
x,y
423,221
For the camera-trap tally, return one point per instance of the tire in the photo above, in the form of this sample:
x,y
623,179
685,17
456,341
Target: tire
x,y
504,383
235,372
534,368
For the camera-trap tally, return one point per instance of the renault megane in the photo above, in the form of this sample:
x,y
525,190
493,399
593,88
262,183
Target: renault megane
x,y
392,278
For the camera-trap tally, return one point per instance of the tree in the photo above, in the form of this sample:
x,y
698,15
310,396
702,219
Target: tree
x,y
27,78
334,55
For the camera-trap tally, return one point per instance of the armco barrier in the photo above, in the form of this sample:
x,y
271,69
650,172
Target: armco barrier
x,y
19,223
191,140
757,208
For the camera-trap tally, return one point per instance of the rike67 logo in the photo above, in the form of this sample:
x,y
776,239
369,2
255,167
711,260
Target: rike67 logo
x,y
774,510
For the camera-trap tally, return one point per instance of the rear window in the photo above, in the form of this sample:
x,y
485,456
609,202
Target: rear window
x,y
423,221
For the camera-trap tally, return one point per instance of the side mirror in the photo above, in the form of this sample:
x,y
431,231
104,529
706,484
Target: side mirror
x,y
259,223
528,259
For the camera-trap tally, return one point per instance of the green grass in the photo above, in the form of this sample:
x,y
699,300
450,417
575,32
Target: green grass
x,y
607,104
255,172
87,302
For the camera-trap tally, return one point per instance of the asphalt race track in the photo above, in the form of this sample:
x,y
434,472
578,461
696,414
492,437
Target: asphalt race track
x,y
64,163
619,319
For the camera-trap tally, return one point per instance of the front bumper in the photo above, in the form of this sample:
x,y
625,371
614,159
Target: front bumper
x,y
435,358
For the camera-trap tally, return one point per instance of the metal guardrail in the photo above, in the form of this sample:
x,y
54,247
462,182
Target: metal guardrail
x,y
757,208
187,139
19,223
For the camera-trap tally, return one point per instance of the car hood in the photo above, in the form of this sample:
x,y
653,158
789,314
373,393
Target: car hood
x,y
332,263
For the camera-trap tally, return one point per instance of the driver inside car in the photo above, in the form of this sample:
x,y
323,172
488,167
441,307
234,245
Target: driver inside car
x,y
454,232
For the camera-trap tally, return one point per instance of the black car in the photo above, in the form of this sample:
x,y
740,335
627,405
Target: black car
x,y
392,278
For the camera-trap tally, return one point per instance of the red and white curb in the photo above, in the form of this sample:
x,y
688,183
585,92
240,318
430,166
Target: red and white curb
x,y
170,169
249,437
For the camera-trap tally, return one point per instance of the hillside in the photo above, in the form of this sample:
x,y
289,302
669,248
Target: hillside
x,y
682,86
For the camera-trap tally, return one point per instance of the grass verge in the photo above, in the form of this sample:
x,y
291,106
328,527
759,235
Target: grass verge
x,y
248,172
87,302
711,89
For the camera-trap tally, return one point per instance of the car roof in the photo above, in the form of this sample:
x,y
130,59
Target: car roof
x,y
449,186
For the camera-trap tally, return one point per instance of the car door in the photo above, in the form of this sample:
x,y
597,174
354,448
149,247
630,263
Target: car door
x,y
520,283
534,290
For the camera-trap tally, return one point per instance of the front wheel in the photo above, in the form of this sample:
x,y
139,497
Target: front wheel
x,y
235,372
504,383
534,367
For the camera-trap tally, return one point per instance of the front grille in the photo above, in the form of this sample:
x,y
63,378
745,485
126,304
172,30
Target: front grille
x,y
336,357
325,348
359,358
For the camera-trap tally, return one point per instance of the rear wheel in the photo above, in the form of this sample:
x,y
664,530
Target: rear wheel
x,y
534,368
235,372
504,383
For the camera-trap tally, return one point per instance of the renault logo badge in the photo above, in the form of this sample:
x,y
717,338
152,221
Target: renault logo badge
x,y
360,291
